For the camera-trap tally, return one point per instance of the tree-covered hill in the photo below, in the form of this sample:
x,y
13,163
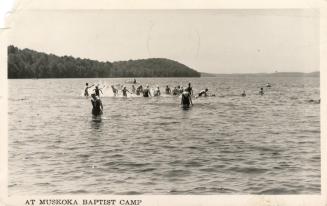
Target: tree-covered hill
x,y
27,63
155,67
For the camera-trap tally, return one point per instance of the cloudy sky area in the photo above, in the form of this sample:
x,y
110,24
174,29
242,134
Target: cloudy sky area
x,y
216,41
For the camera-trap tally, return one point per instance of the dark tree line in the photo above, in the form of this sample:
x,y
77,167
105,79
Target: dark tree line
x,y
27,63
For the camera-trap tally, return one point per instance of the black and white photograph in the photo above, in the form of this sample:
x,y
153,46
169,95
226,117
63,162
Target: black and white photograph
x,y
164,102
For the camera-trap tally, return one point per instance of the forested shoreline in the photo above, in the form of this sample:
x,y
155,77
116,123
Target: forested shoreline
x,y
27,63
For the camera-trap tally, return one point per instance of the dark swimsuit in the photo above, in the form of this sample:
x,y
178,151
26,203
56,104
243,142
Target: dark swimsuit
x,y
146,93
189,89
96,110
97,92
186,99
86,92
124,93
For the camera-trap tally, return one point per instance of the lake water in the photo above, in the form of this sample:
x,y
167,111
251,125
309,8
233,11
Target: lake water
x,y
226,144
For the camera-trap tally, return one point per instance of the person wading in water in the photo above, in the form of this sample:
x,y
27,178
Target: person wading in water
x,y
97,106
186,99
146,91
86,90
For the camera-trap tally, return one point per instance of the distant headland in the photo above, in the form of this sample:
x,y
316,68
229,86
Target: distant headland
x,y
27,63
275,74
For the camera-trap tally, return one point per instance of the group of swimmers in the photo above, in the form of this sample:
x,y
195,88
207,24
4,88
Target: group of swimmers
x,y
145,91
185,93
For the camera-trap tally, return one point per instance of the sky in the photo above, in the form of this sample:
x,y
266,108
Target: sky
x,y
214,41
5,6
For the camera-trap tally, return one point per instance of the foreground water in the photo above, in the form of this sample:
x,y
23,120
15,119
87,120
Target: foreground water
x,y
225,144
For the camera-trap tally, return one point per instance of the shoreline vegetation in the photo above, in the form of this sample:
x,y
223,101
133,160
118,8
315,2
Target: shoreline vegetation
x,y
30,64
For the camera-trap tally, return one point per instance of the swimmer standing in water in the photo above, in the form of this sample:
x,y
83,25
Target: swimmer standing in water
x,y
157,91
186,99
124,90
243,94
139,89
168,91
181,89
86,90
175,91
146,91
189,88
114,90
133,89
97,106
190,91
97,91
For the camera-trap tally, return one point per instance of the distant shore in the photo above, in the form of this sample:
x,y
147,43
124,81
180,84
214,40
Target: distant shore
x,y
275,74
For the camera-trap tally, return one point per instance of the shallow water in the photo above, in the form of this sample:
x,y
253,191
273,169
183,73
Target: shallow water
x,y
225,144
